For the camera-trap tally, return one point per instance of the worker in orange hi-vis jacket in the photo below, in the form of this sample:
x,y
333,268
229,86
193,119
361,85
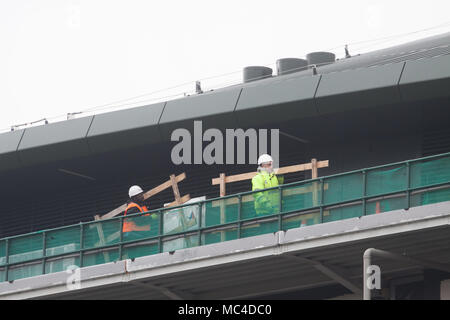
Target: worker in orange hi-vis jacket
x,y
135,205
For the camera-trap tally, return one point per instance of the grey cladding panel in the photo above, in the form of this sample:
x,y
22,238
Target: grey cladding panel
x,y
53,133
199,106
277,92
359,88
123,120
56,141
214,109
287,98
125,128
426,78
9,142
360,80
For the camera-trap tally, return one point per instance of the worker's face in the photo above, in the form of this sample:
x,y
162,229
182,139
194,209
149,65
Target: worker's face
x,y
267,166
139,197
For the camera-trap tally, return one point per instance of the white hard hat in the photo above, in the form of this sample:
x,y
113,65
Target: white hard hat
x,y
134,190
264,158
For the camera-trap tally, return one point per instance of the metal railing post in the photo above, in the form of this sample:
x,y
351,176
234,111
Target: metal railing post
x,y
7,259
408,185
239,216
280,209
121,238
200,222
364,192
44,252
160,231
321,199
81,243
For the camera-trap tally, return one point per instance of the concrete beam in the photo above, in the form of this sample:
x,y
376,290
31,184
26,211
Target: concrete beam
x,y
331,271
371,252
171,294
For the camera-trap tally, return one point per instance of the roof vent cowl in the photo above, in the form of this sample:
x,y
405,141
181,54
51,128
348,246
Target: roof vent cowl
x,y
290,65
254,73
320,58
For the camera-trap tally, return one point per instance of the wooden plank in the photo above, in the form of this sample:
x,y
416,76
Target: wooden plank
x,y
164,186
283,170
313,168
176,194
176,191
237,177
101,237
147,195
222,178
301,167
114,212
113,236
182,200
222,185
222,220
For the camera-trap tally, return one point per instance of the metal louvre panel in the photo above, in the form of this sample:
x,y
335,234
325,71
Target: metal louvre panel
x,y
417,54
81,205
436,141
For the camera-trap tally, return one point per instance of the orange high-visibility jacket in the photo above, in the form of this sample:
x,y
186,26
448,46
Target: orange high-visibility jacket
x,y
130,225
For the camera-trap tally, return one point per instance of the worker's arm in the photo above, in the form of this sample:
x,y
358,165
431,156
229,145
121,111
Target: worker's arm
x,y
280,179
132,210
140,222
258,184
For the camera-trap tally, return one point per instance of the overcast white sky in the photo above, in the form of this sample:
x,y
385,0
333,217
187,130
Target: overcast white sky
x,y
60,56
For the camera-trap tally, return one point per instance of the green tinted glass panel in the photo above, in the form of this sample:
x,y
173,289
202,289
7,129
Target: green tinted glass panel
x,y
259,204
61,264
384,205
386,180
2,252
261,227
147,224
302,220
140,249
99,257
62,241
101,233
220,211
25,248
2,274
214,236
301,197
24,271
341,213
430,172
181,219
180,243
430,197
343,188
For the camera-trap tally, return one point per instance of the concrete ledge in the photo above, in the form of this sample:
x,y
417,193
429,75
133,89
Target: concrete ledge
x,y
235,251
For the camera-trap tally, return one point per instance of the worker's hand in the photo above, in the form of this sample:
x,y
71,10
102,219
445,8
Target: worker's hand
x,y
155,216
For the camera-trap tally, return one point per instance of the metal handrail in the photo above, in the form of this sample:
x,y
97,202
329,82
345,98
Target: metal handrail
x,y
238,223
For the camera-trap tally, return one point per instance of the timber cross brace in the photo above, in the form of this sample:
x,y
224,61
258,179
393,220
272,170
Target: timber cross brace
x,y
172,182
313,166
179,200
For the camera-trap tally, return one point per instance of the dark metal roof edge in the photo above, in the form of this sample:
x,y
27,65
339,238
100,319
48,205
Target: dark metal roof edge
x,y
302,74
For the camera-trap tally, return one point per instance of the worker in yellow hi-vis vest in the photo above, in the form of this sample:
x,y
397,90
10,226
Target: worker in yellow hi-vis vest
x,y
266,202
